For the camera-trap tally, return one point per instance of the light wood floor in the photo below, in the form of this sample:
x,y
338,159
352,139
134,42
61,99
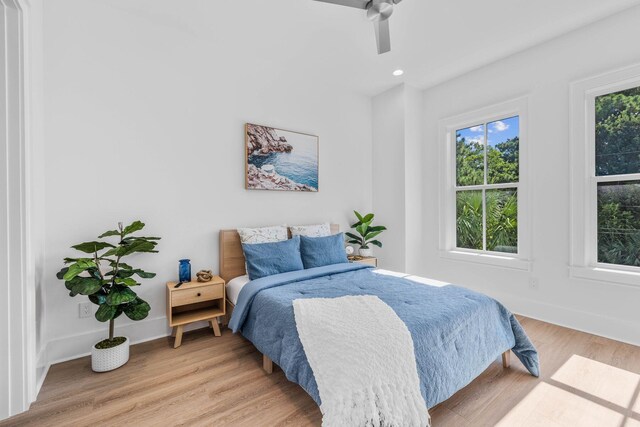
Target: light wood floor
x,y
586,381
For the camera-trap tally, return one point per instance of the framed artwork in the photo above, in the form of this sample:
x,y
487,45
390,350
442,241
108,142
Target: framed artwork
x,y
280,160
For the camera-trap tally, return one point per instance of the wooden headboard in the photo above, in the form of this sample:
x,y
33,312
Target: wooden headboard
x,y
231,255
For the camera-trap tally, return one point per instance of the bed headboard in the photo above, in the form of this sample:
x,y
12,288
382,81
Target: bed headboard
x,y
231,255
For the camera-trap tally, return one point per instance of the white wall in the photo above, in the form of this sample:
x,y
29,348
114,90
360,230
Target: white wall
x,y
397,175
543,74
388,177
144,119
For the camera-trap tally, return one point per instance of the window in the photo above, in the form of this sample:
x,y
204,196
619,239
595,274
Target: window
x,y
483,202
617,172
487,175
606,177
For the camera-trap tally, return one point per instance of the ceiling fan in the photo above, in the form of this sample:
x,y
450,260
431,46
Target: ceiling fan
x,y
378,12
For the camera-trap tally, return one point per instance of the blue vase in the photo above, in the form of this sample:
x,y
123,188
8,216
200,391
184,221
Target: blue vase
x,y
184,270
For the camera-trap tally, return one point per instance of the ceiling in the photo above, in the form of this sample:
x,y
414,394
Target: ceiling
x,y
326,44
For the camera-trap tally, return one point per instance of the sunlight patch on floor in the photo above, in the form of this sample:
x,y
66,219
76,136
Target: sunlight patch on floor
x,y
547,405
598,379
630,422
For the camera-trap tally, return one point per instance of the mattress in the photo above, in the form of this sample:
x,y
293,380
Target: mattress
x,y
235,286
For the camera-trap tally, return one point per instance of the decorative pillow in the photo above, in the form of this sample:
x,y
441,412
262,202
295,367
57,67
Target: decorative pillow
x,y
267,259
319,251
277,233
319,230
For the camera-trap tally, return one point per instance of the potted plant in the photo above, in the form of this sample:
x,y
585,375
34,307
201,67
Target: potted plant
x,y
366,234
109,283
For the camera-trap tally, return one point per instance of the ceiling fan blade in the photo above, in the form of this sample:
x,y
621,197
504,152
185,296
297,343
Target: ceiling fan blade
x,y
383,36
359,4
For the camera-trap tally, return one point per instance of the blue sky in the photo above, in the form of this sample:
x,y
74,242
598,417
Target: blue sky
x,y
498,131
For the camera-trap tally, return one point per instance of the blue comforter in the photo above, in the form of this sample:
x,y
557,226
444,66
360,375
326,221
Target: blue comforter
x,y
456,333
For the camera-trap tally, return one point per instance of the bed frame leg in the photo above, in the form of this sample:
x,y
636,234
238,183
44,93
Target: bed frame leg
x,y
267,364
506,359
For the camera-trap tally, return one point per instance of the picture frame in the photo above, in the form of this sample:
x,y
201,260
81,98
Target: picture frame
x,y
281,160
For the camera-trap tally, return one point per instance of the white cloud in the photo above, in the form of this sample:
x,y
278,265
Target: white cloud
x,y
477,129
475,140
500,126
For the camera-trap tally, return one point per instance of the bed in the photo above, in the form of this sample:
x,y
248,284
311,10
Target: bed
x,y
457,333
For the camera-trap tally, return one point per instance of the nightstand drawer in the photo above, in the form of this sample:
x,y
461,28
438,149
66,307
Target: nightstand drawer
x,y
196,295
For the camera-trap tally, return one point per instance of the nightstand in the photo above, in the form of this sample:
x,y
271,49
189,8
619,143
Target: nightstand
x,y
195,302
366,260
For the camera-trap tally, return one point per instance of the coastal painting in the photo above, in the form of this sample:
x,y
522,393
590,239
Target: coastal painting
x,y
280,160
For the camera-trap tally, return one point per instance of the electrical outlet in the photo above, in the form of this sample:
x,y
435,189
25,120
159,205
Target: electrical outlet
x,y
84,310
534,283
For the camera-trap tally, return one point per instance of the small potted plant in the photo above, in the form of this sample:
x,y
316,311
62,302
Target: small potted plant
x,y
366,234
109,283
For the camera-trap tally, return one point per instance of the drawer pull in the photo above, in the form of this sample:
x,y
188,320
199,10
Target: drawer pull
x,y
199,294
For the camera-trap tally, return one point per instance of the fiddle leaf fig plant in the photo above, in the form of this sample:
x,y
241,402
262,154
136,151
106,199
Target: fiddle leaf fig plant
x,y
367,233
102,275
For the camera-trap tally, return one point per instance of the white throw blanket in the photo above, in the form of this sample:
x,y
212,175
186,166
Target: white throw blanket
x,y
363,361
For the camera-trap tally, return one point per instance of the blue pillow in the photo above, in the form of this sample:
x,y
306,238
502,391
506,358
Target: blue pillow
x,y
320,251
267,259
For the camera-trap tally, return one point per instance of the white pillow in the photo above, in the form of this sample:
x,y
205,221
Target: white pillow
x,y
277,233
319,230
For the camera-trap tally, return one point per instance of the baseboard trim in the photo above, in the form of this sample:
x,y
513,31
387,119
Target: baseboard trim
x,y
42,368
72,347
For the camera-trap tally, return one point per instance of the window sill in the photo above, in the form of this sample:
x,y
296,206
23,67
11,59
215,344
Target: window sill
x,y
487,259
603,274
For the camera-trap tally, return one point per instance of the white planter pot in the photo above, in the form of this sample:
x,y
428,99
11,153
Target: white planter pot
x,y
108,359
365,252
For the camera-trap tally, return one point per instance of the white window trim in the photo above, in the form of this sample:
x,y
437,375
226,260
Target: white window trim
x,y
447,188
584,201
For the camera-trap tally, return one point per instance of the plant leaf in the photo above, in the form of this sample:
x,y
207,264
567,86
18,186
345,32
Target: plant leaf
x,y
351,235
84,285
121,265
137,310
80,266
378,228
91,247
370,236
127,281
355,242
368,218
131,238
109,233
106,312
362,229
376,242
98,298
61,273
121,295
133,227
358,215
145,274
133,247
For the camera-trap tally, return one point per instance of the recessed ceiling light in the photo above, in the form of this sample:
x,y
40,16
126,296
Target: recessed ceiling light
x,y
398,73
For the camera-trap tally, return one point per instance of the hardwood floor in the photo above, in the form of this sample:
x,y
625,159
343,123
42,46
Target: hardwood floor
x,y
586,381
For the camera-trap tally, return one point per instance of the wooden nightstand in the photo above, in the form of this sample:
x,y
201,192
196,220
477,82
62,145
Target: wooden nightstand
x,y
195,302
367,260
